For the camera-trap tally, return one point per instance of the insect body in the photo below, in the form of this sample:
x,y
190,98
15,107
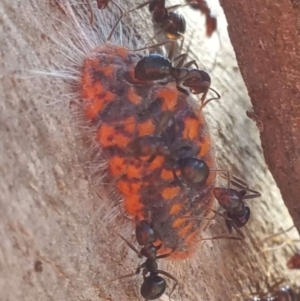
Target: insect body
x,y
231,200
170,22
153,285
158,149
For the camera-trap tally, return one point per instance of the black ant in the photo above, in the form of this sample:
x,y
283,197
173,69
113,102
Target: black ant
x,y
211,21
231,200
172,23
153,285
284,293
157,67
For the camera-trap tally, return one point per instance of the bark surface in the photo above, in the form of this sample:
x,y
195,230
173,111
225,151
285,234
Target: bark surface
x,y
56,239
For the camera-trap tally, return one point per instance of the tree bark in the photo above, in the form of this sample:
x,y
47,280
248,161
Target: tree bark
x,y
58,241
266,40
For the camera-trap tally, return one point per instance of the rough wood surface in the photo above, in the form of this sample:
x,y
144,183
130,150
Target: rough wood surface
x,y
267,46
55,242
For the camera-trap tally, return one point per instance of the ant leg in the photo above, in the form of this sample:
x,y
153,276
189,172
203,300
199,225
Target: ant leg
x,y
153,46
130,245
88,2
271,288
121,277
118,21
205,102
138,7
137,271
222,237
239,232
189,64
181,58
227,176
171,277
173,7
182,41
242,185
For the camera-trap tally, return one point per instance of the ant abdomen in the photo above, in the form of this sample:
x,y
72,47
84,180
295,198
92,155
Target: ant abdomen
x,y
153,67
153,287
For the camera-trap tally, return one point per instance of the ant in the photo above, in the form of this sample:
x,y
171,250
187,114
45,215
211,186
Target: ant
x,y
157,67
231,200
153,285
284,293
172,23
211,21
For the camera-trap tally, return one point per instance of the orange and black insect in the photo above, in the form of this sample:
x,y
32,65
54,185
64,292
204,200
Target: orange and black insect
x,y
211,21
157,146
154,285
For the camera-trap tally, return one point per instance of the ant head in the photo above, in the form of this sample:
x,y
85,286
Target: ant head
x,y
240,220
198,81
153,287
194,170
211,25
230,199
222,195
153,67
144,233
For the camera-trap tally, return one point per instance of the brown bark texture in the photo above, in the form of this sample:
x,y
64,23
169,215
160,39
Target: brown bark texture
x,y
266,40
58,238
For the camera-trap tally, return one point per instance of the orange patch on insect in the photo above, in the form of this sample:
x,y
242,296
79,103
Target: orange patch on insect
x,y
134,169
156,163
170,192
170,98
184,231
175,209
127,188
146,128
167,175
191,126
205,147
117,166
109,136
132,205
133,97
93,108
191,237
178,222
129,124
121,52
108,71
